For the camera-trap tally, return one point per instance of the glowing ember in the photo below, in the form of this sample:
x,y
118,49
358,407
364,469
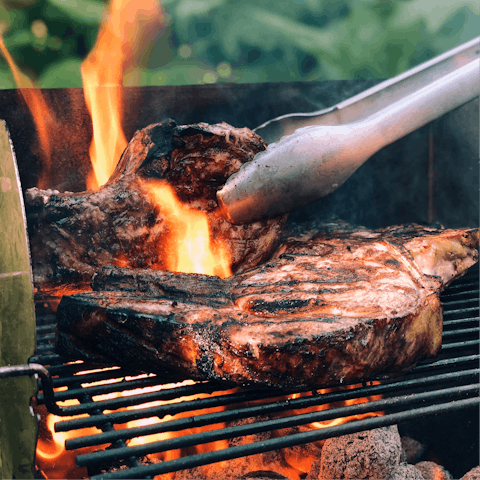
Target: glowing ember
x,y
125,33
191,249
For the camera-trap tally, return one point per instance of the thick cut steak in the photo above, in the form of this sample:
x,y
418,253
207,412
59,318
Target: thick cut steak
x,y
74,235
333,305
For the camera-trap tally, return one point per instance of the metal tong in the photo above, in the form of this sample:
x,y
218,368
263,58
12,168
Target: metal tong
x,y
317,152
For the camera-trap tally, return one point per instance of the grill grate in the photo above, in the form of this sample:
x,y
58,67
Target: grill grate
x,y
446,383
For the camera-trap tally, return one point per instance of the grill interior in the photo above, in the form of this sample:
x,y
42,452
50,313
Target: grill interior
x,y
449,196
447,383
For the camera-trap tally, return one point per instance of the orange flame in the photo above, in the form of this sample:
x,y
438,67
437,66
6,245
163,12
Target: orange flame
x,y
294,463
123,39
41,112
191,249
174,454
51,457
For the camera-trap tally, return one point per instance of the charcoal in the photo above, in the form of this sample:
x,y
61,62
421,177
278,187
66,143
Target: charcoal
x,y
372,454
412,449
115,466
405,472
431,470
263,475
473,474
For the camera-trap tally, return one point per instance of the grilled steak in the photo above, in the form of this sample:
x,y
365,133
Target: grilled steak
x,y
334,305
73,235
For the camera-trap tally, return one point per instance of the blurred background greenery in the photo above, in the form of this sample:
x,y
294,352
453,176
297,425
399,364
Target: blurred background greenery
x,y
245,41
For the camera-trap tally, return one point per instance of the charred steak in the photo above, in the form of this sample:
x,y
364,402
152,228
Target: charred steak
x,y
333,305
73,235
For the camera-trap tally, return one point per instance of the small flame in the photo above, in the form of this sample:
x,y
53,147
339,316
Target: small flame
x,y
41,112
122,41
294,463
123,44
301,464
191,248
178,453
51,457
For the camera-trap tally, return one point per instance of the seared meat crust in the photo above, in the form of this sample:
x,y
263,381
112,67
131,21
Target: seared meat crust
x,y
334,305
74,235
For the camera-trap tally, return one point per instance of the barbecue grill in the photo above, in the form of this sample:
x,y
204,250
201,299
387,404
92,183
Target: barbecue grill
x,y
447,383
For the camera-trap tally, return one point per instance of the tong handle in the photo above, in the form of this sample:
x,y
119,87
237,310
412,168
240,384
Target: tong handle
x,y
40,371
315,160
376,98
425,104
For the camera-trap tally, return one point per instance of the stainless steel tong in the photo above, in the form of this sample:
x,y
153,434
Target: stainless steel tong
x,y
317,152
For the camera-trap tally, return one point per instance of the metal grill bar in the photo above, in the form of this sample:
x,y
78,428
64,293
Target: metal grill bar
x,y
457,294
449,323
163,396
460,345
42,329
459,312
450,361
460,302
107,427
447,383
287,441
466,283
269,425
125,385
295,404
162,411
464,331
104,389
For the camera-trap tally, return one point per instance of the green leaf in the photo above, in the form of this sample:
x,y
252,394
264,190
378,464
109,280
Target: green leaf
x,y
181,73
19,38
87,12
315,6
6,80
461,26
268,31
435,15
188,10
64,74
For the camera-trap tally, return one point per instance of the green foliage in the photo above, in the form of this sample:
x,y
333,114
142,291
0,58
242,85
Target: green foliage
x,y
66,73
48,34
248,40
277,40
